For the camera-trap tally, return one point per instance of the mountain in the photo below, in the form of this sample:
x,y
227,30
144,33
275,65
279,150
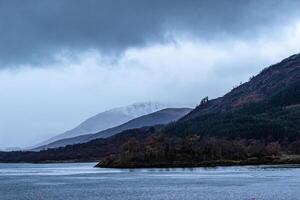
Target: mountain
x,y
108,119
164,116
268,104
256,123
268,87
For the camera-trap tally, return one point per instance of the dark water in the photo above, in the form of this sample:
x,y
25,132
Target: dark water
x,y
82,181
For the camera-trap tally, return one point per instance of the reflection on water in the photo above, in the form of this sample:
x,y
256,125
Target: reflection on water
x,y
82,181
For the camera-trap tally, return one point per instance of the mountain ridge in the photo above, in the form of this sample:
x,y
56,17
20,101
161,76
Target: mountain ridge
x,y
108,119
163,116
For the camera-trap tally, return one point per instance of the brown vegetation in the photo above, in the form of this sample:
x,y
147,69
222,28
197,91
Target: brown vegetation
x,y
195,150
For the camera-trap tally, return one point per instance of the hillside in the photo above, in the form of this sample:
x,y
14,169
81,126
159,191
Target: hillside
x,y
164,116
277,85
266,105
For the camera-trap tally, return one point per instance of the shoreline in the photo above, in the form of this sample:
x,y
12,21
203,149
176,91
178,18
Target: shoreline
x,y
49,162
218,163
284,160
210,165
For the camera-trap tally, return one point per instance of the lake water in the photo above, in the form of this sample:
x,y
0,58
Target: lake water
x,y
82,181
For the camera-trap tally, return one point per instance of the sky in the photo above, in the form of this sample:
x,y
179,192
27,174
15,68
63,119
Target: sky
x,y
64,61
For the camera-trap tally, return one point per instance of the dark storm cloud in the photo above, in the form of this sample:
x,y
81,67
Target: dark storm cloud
x,y
32,31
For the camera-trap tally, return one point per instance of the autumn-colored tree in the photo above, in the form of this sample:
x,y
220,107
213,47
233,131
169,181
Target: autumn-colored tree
x,y
131,146
273,149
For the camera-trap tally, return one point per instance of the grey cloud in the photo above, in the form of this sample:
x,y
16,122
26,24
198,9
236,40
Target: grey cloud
x,y
32,31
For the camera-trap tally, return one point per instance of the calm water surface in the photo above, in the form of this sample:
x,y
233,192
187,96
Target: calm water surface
x,y
82,181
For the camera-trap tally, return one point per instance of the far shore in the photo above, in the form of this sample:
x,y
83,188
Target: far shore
x,y
51,162
284,160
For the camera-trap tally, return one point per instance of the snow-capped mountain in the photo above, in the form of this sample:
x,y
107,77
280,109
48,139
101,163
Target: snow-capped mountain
x,y
110,118
139,109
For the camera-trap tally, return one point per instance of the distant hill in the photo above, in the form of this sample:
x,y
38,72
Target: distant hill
x,y
108,119
90,151
164,116
12,149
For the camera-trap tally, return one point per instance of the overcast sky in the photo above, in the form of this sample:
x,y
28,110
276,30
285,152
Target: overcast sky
x,y
66,60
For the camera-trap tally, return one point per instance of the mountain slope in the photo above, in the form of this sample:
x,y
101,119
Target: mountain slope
x,y
262,88
108,119
160,117
266,105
